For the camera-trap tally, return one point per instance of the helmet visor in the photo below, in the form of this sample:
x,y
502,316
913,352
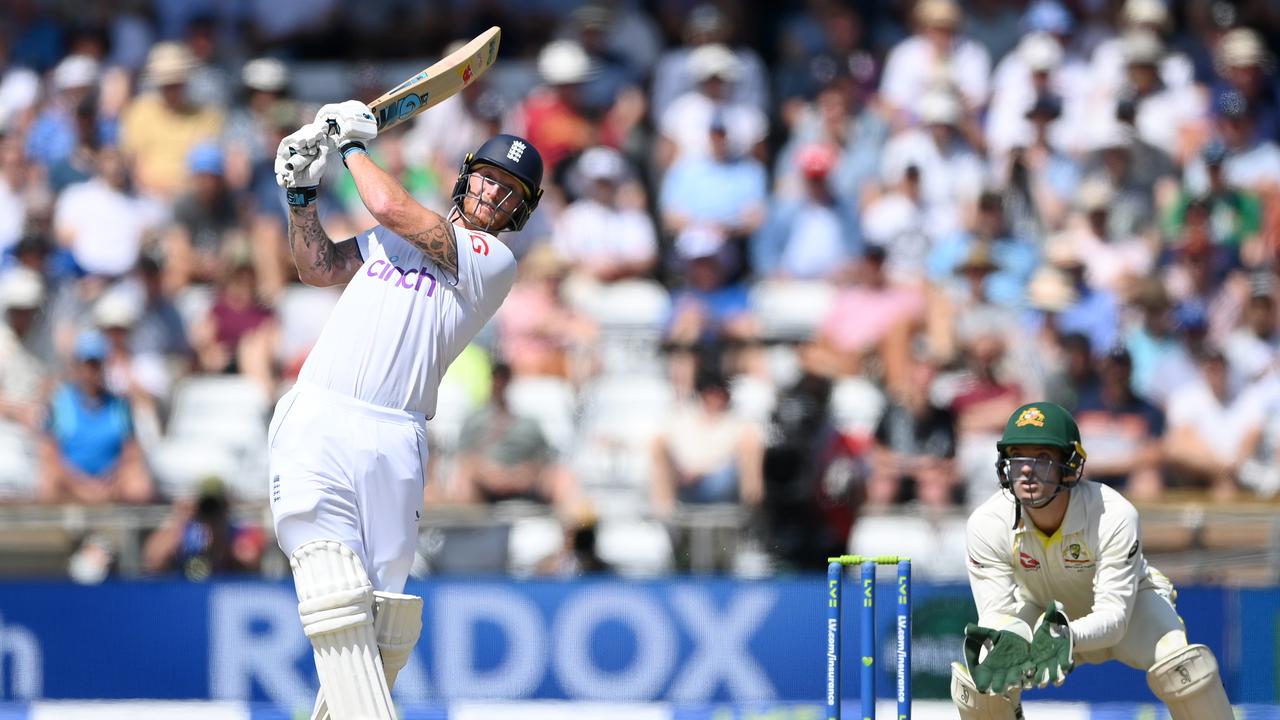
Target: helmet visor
x,y
1033,481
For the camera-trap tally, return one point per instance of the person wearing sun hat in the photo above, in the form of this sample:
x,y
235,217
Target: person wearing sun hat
x,y
160,127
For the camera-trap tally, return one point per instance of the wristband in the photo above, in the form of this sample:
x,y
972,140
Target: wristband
x,y
302,196
355,146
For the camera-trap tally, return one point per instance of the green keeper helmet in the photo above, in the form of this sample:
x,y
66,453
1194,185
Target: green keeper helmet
x,y
1045,423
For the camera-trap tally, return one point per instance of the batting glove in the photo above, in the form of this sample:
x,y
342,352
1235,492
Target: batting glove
x,y
300,163
348,122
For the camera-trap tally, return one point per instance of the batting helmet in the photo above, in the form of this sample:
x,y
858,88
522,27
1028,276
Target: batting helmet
x,y
514,155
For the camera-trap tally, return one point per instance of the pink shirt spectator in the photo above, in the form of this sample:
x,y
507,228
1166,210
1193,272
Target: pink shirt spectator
x,y
861,316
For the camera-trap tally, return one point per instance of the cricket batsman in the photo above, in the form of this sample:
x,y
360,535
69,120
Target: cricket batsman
x,y
347,443
1058,575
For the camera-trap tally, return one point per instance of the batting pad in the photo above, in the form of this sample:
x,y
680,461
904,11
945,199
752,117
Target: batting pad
x,y
1188,683
398,623
973,705
335,603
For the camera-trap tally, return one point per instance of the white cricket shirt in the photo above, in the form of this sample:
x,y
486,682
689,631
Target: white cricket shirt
x,y
402,319
1093,565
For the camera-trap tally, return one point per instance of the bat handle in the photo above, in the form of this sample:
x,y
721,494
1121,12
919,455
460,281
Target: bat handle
x,y
298,162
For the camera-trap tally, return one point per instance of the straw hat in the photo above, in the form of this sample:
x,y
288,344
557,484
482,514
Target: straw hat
x,y
168,63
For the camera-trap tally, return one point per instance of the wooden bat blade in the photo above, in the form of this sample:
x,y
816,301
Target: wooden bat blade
x,y
439,82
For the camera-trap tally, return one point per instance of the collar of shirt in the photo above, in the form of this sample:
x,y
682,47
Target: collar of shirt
x,y
1075,520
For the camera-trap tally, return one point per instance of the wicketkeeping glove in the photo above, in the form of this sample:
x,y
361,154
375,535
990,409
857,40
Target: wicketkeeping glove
x,y
1007,665
1051,646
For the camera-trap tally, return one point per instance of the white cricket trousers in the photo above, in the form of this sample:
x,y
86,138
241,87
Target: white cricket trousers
x,y
343,469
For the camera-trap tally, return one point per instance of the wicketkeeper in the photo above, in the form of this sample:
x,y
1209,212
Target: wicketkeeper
x,y
1058,575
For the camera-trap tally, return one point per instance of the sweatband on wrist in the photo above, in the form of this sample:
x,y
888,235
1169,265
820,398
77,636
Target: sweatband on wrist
x,y
302,196
354,146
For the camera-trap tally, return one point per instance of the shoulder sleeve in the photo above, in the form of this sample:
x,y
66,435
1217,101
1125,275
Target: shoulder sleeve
x,y
989,558
486,268
369,241
1115,584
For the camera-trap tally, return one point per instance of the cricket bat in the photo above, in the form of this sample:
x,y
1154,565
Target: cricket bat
x,y
432,86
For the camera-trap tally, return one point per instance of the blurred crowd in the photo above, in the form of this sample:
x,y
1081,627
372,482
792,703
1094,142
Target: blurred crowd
x,y
803,259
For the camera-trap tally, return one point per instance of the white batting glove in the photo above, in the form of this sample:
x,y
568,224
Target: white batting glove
x,y
300,163
348,122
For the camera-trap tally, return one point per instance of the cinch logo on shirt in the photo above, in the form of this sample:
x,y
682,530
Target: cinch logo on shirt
x,y
1028,562
386,272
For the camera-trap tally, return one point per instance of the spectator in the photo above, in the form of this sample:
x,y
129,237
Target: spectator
x,y
814,236
160,328
17,189
1024,76
706,454
1096,311
1012,258
1122,431
675,74
737,207
1244,66
1212,430
1114,256
1252,161
102,222
915,445
249,125
607,235
951,173
868,307
554,117
89,453
1076,375
24,382
503,456
1039,175
842,115
1253,349
204,215
898,224
1167,117
142,379
710,313
936,53
538,333
239,333
956,311
55,134
685,124
160,128
1155,347
200,539
1236,214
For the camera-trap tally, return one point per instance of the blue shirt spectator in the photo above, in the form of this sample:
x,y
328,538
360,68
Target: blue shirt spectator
x,y
720,190
90,454
813,236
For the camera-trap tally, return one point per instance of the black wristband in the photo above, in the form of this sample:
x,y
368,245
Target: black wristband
x,y
351,147
302,196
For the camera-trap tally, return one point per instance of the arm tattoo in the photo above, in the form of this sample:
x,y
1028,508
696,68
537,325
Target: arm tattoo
x,y
314,254
438,243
